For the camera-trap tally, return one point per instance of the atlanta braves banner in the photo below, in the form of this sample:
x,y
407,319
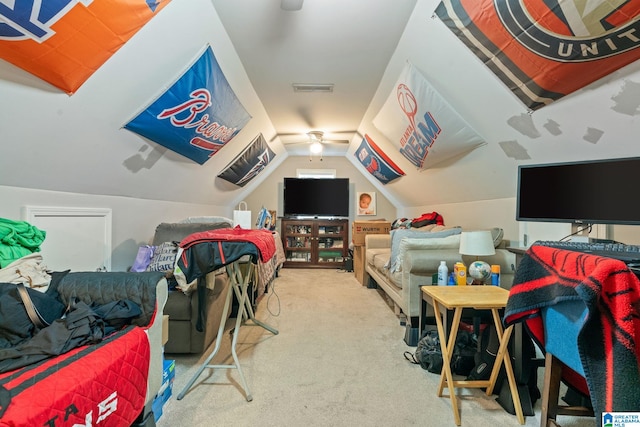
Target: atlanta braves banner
x,y
544,50
376,161
418,119
196,116
65,41
249,163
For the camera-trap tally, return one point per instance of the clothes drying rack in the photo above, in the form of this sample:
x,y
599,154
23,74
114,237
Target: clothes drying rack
x,y
239,282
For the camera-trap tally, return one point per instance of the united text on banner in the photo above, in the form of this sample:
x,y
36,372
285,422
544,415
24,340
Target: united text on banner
x,y
545,50
249,163
376,162
422,123
64,42
197,115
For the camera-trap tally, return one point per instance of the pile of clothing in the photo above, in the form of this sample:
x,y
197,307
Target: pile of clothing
x,y
17,239
20,260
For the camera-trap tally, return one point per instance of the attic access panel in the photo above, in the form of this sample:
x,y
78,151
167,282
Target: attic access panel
x,y
78,239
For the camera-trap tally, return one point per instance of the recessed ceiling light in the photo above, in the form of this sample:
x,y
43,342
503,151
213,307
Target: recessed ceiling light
x,y
312,87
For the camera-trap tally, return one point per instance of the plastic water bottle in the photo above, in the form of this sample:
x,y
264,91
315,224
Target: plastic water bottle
x,y
452,279
443,274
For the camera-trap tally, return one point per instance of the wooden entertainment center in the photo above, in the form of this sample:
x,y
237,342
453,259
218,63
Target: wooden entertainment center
x,y
314,243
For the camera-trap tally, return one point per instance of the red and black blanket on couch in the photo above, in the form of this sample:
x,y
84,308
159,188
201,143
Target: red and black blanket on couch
x,y
608,339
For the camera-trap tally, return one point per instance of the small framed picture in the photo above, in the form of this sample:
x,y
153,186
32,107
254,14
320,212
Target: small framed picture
x,y
366,202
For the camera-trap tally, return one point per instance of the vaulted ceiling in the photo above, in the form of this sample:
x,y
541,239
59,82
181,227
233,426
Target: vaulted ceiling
x,y
343,46
77,144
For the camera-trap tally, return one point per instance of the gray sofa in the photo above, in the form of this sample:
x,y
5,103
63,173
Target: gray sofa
x,y
415,260
186,335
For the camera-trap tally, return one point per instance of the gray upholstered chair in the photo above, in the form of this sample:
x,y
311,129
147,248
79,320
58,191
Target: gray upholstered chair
x,y
185,334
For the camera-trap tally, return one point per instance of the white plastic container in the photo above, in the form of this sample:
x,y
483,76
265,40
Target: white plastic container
x,y
443,274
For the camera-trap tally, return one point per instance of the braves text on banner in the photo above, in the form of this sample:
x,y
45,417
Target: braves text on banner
x,y
376,161
544,50
422,123
197,115
249,163
64,42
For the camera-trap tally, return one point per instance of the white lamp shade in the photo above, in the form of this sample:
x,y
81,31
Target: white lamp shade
x,y
477,243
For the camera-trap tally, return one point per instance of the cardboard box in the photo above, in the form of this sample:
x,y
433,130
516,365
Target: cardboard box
x,y
168,371
359,229
165,328
166,389
163,396
359,264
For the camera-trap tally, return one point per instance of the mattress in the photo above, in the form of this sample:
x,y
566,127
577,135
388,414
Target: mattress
x,y
102,384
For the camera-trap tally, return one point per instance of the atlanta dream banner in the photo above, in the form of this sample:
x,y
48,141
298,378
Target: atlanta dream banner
x,y
249,163
424,126
64,42
197,115
543,50
376,162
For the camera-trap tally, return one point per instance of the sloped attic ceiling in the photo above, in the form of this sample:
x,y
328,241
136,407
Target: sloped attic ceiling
x,y
76,143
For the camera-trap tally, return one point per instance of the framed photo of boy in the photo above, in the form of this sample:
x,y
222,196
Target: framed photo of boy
x,y
366,202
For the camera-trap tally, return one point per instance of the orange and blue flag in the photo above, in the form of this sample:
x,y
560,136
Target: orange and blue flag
x,y
544,50
64,42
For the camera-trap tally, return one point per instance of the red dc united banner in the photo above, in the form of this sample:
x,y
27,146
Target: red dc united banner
x,y
64,42
197,115
546,49
376,162
249,163
422,123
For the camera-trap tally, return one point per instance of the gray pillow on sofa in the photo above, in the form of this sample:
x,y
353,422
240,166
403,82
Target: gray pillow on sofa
x,y
398,234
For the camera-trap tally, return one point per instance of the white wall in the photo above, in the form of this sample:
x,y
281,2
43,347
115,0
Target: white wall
x,y
475,215
269,192
134,220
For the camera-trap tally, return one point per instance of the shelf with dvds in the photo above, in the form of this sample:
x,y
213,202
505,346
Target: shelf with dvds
x,y
314,243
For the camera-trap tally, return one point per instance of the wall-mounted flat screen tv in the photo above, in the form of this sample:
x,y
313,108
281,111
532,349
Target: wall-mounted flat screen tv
x,y
316,197
589,192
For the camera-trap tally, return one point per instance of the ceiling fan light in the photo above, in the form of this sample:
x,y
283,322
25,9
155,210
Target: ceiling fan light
x,y
315,147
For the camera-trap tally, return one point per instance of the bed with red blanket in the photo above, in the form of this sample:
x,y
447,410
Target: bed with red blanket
x,y
607,331
111,382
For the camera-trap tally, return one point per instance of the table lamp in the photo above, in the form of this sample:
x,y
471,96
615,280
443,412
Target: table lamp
x,y
477,243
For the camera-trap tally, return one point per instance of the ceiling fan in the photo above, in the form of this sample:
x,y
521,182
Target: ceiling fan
x,y
316,141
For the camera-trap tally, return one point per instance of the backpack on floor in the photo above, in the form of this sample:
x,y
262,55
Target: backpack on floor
x,y
428,354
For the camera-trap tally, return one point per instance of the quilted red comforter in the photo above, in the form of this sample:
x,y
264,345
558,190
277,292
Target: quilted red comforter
x,y
97,385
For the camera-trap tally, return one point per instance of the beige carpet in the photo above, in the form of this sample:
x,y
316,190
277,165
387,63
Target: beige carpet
x,y
337,361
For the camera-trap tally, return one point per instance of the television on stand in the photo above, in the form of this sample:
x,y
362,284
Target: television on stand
x,y
316,197
580,193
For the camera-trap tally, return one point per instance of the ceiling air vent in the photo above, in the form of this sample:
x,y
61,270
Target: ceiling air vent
x,y
305,87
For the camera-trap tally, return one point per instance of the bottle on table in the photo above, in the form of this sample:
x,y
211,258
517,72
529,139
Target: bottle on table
x,y
443,274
